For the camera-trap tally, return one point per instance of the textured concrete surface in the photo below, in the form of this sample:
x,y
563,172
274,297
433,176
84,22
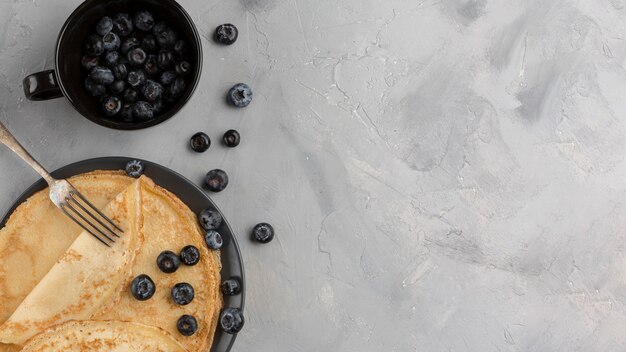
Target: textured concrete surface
x,y
443,175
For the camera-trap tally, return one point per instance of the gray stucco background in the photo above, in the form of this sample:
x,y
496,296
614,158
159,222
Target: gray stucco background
x,y
442,175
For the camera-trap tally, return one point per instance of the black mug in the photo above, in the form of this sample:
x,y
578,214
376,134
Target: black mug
x,y
67,80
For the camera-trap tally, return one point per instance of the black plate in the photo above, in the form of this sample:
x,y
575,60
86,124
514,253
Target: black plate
x,y
191,195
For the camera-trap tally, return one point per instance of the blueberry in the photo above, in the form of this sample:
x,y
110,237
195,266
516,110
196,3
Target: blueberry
x,y
190,255
144,21
226,34
168,262
231,287
134,168
166,38
149,43
136,57
94,45
231,138
187,325
231,320
152,90
182,293
104,26
158,28
111,106
102,75
216,180
168,97
177,88
183,68
127,113
111,41
120,71
112,58
136,78
129,44
117,87
168,77
151,67
89,62
180,48
130,95
165,59
143,111
93,88
240,95
122,24
210,219
263,232
157,106
142,287
200,142
213,239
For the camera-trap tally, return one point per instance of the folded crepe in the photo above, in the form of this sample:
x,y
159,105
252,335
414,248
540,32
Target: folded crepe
x,y
91,282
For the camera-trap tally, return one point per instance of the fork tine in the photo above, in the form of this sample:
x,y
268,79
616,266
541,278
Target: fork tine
x,y
90,214
84,227
99,212
68,205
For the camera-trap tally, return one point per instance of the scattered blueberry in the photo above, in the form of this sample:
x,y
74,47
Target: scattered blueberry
x,y
136,57
152,90
102,75
231,286
111,41
94,45
168,77
129,44
216,180
112,58
130,95
142,287
158,28
168,262
111,106
183,68
120,71
134,168
226,34
143,111
187,325
231,320
122,24
93,88
151,67
263,232
166,38
144,21
180,48
213,239
210,219
190,255
117,87
182,293
89,62
177,88
136,78
200,142
240,95
127,113
104,26
231,138
165,59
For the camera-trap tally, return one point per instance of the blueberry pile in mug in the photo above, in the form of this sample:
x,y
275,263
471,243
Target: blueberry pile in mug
x,y
135,66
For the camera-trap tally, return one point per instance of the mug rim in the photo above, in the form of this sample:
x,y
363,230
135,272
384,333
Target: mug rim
x,y
125,125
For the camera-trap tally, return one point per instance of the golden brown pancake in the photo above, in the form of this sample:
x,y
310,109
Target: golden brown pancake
x,y
91,282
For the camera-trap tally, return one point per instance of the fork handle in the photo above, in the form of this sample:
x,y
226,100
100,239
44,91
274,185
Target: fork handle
x,y
9,140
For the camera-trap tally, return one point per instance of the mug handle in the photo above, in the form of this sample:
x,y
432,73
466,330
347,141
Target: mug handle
x,y
42,86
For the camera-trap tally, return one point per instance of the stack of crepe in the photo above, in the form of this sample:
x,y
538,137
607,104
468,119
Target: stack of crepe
x,y
61,290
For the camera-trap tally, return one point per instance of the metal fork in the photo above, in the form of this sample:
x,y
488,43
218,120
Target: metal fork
x,y
66,197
